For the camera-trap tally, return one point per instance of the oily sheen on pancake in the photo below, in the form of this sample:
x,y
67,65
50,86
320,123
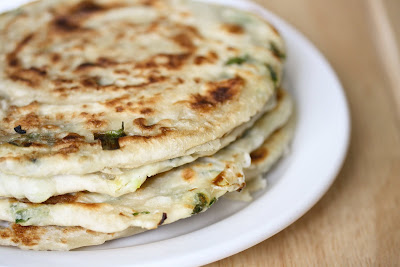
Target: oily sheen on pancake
x,y
162,74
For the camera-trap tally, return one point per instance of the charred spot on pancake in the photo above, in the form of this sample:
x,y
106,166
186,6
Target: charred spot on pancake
x,y
66,24
32,76
218,93
86,65
72,19
163,218
67,198
91,82
233,28
259,155
12,58
73,137
19,130
241,187
86,8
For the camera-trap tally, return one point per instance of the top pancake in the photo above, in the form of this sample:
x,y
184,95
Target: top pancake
x,y
178,75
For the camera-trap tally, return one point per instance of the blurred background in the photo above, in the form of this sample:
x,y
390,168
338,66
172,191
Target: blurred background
x,y
357,223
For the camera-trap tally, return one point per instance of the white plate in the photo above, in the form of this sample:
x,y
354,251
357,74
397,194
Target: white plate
x,y
300,180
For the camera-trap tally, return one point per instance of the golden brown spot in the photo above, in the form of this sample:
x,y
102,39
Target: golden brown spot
x,y
73,137
149,2
26,235
119,109
199,60
220,180
184,41
55,57
275,30
197,80
30,121
5,233
146,111
96,123
280,94
116,101
142,123
90,232
233,28
259,155
121,71
59,116
192,30
188,174
211,57
67,198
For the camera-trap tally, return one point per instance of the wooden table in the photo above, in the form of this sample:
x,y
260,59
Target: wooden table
x,y
357,223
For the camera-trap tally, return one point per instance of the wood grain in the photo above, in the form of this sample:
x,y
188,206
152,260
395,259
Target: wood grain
x,y
357,223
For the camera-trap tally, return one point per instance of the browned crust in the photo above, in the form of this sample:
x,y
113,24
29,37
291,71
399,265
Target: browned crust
x,y
233,28
259,155
188,174
218,93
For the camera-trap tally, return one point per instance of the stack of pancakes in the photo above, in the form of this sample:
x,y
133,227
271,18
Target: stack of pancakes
x,y
118,116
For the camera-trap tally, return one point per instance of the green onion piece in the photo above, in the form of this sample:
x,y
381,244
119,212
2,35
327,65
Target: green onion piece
x,y
272,72
142,212
237,60
25,140
275,50
212,202
200,203
109,139
21,216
